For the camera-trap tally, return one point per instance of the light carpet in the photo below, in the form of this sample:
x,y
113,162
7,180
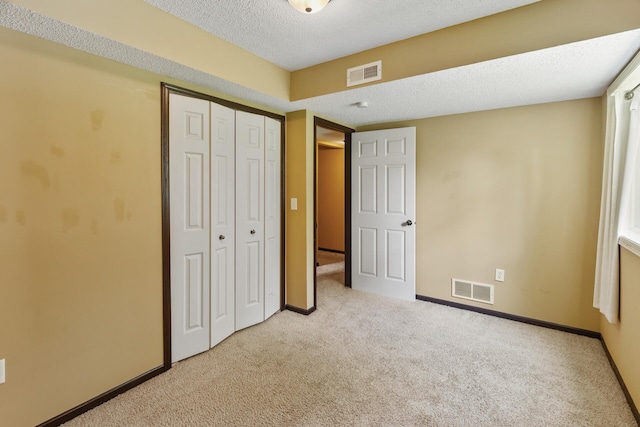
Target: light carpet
x,y
366,360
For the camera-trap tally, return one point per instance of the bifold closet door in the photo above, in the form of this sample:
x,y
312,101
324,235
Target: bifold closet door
x,y
272,217
223,178
189,211
250,224
225,214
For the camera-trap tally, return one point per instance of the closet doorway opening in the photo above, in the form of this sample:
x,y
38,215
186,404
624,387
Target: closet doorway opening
x,y
332,202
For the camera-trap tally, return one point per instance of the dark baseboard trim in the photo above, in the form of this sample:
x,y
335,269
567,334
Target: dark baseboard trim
x,y
99,400
300,310
535,322
331,250
625,390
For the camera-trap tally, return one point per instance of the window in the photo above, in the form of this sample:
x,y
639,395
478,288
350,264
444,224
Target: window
x,y
629,225
630,198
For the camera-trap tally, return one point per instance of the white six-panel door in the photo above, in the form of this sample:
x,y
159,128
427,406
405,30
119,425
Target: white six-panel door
x,y
223,178
272,217
383,212
189,212
249,219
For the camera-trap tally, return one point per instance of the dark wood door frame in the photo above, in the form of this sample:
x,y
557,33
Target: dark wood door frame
x,y
318,122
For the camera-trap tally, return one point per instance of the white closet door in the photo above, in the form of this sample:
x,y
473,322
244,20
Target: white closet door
x,y
223,177
249,219
189,212
272,217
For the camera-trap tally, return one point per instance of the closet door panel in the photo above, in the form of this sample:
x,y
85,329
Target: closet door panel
x,y
189,213
272,216
223,177
250,222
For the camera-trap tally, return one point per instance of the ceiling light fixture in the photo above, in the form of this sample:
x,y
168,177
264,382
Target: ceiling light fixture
x,y
308,6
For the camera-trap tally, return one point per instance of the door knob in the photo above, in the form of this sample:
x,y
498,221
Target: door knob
x,y
409,222
221,237
253,231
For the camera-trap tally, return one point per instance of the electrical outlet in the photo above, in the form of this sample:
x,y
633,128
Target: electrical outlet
x,y
499,275
1,371
294,204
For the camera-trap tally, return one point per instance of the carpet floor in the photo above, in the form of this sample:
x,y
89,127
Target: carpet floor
x,y
366,360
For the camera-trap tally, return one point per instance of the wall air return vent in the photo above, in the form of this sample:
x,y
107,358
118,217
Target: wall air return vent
x,y
472,291
364,73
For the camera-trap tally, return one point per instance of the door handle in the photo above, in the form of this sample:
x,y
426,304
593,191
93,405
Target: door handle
x,y
253,231
408,223
221,237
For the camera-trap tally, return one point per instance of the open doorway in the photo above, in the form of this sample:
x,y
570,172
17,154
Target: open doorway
x,y
332,201
330,196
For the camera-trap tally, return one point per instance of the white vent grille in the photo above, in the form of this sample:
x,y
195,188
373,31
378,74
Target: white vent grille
x,y
364,73
472,291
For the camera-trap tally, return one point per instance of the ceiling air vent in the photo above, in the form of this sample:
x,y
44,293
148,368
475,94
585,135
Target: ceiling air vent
x,y
472,291
364,73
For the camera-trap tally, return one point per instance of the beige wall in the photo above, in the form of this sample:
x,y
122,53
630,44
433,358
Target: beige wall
x,y
80,227
517,189
623,339
300,249
81,258
331,198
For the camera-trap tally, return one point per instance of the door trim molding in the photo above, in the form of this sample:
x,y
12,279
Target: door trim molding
x,y
320,122
233,105
166,226
165,90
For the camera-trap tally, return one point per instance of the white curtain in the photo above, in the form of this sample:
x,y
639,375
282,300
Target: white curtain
x,y
623,118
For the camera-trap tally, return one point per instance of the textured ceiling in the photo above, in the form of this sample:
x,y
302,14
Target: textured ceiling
x,y
276,32
573,71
